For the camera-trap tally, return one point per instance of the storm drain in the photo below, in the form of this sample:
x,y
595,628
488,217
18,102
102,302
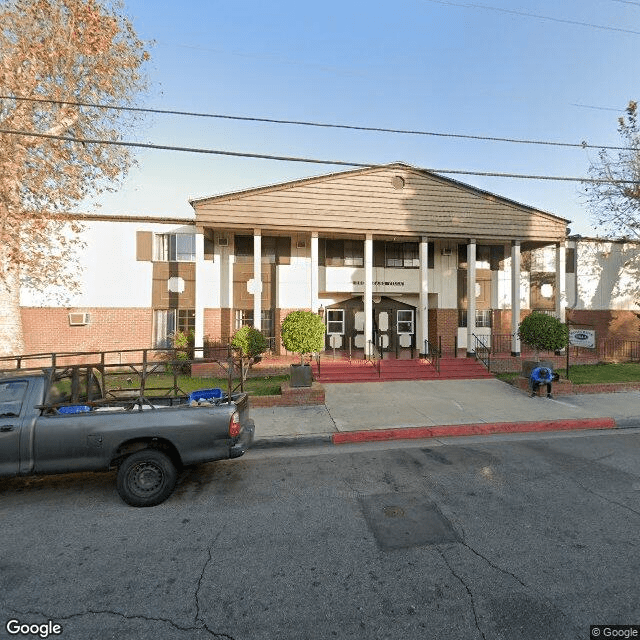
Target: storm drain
x,y
401,520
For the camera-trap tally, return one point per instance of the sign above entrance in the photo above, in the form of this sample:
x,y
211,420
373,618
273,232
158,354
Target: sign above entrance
x,y
344,279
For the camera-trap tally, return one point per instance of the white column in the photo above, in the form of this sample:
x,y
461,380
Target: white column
x,y
201,285
423,319
515,297
561,281
471,297
257,279
314,272
368,293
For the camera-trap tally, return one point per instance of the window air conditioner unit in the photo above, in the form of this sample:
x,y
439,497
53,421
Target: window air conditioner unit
x,y
446,251
78,319
223,241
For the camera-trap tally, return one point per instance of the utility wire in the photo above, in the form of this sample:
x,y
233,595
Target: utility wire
x,y
535,15
143,145
326,125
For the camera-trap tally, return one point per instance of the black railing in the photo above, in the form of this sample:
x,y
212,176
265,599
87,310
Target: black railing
x,y
482,350
433,354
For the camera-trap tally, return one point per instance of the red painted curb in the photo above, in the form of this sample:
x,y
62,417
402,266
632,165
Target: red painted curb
x,y
483,428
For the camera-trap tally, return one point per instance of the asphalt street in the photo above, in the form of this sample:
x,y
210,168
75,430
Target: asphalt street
x,y
504,537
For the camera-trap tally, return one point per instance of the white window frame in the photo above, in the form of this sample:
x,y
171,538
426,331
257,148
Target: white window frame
x,y
340,322
411,322
167,247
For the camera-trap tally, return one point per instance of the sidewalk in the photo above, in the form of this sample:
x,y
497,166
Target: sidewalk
x,y
360,412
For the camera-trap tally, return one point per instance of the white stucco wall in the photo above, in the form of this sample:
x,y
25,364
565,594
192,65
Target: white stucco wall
x,y
607,276
109,273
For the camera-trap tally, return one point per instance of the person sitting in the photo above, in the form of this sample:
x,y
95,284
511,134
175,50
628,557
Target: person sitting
x,y
540,376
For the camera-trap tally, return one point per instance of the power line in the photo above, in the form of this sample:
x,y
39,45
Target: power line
x,y
535,15
144,145
637,4
325,125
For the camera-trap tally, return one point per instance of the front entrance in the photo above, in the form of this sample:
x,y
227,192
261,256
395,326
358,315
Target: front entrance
x,y
394,326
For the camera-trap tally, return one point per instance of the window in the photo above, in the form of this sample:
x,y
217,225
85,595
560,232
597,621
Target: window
x,y
405,321
353,253
342,253
167,321
243,248
570,258
11,397
244,318
402,255
483,318
335,321
175,247
273,249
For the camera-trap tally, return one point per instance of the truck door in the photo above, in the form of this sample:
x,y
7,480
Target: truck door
x,y
12,397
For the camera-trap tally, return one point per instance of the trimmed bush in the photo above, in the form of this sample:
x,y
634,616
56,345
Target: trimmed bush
x,y
303,332
249,341
543,332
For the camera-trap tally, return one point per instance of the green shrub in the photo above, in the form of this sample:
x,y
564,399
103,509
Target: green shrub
x,y
249,341
543,332
303,332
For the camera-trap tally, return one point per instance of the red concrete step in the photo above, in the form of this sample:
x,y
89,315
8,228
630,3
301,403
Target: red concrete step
x,y
363,371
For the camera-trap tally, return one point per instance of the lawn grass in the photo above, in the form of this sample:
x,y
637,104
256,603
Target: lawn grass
x,y
265,386
593,373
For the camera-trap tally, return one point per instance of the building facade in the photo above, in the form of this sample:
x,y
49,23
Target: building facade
x,y
391,256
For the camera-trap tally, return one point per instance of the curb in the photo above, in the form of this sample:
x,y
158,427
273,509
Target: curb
x,y
291,441
443,431
472,430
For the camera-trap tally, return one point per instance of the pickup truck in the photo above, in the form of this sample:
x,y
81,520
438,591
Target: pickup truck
x,y
42,432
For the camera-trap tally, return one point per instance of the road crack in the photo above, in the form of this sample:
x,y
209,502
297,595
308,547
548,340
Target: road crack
x,y
494,566
199,586
468,590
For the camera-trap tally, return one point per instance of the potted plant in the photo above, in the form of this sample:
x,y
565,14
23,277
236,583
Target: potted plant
x,y
542,332
302,332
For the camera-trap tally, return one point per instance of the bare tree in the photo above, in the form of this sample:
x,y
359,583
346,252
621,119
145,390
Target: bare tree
x,y
614,196
71,51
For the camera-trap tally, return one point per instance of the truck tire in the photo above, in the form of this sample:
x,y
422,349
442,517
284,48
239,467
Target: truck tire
x,y
146,478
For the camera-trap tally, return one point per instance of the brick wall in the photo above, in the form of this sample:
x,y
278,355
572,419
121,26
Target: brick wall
x,y
213,324
608,324
443,323
48,329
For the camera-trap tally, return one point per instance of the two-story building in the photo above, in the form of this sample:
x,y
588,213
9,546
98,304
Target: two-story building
x,y
391,255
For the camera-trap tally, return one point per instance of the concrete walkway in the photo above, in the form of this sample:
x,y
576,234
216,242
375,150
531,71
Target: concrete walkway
x,y
366,408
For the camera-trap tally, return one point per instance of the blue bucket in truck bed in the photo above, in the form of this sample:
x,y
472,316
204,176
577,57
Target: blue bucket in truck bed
x,y
205,394
76,408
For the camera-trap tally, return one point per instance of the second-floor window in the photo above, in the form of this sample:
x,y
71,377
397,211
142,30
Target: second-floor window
x,y
175,247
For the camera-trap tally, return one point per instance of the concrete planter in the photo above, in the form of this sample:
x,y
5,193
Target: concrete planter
x,y
301,375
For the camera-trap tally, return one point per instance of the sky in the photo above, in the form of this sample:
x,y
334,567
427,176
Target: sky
x,y
535,70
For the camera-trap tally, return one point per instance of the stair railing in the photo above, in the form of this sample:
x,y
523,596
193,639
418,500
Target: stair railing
x,y
432,354
483,351
375,354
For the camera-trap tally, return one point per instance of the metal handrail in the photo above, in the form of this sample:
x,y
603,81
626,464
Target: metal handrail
x,y
432,354
482,351
375,355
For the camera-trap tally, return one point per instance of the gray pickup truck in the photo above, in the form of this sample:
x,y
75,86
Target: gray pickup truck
x,y
41,432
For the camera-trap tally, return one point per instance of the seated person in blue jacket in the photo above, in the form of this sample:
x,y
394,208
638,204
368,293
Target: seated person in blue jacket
x,y
540,376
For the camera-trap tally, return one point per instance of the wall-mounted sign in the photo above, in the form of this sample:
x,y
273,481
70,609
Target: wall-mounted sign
x,y
582,338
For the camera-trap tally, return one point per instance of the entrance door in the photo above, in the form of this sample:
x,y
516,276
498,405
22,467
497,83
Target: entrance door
x,y
394,325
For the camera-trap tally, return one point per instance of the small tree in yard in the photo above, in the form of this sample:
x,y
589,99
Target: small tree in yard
x,y
543,332
249,341
303,332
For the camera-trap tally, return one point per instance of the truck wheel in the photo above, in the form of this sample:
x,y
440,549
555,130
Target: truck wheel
x,y
146,478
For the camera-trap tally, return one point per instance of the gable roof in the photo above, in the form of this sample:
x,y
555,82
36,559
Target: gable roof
x,y
387,199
